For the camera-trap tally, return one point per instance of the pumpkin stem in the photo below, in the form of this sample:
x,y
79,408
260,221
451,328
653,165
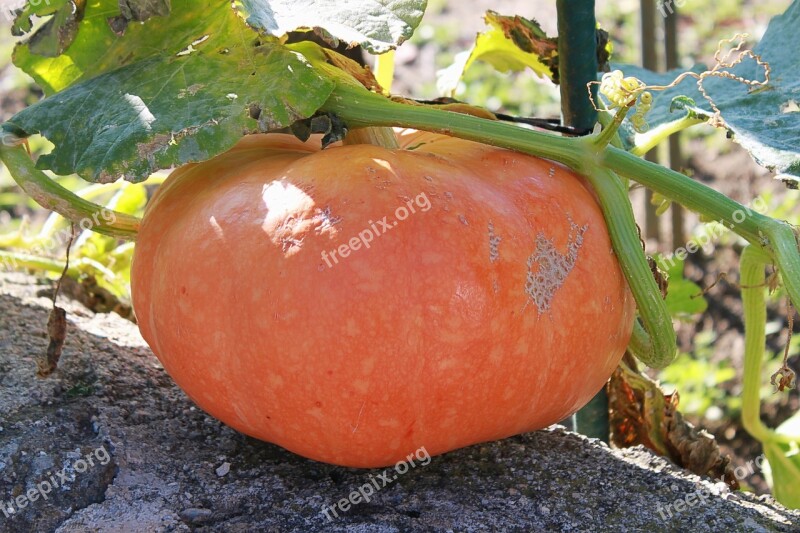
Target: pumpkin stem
x,y
378,136
50,195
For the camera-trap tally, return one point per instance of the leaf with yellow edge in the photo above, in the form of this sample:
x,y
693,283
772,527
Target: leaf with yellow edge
x,y
511,44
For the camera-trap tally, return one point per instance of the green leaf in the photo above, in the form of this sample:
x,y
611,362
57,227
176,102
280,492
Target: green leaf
x,y
23,23
511,44
131,199
210,81
765,121
783,469
684,297
57,33
376,25
103,43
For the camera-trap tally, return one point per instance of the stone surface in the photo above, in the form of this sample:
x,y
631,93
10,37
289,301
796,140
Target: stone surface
x,y
160,464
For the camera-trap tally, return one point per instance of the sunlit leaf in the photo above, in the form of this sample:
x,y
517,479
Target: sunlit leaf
x,y
511,44
129,108
376,25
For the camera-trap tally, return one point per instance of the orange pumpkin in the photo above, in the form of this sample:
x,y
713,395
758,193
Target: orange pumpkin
x,y
355,304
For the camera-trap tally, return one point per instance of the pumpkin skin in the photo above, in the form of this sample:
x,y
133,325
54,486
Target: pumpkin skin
x,y
496,307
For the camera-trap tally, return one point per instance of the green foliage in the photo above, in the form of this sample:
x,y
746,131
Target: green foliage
x,y
92,254
684,297
516,93
511,44
699,381
666,107
376,26
764,120
209,83
97,48
783,469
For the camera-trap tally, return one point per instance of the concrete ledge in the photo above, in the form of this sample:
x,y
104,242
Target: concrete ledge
x,y
160,464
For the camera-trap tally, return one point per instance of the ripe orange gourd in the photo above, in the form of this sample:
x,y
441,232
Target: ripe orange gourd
x,y
355,304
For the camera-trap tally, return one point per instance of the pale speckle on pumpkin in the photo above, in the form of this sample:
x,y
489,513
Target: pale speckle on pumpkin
x,y
553,266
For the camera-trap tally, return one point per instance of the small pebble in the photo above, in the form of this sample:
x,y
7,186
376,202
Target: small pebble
x,y
195,515
223,469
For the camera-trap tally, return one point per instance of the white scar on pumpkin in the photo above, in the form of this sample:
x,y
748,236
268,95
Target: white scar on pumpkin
x,y
553,267
494,244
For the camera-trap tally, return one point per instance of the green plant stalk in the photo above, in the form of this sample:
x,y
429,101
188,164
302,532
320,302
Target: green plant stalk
x,y
609,135
755,317
606,120
91,193
19,260
361,108
657,348
55,221
647,141
53,196
753,282
774,237
577,67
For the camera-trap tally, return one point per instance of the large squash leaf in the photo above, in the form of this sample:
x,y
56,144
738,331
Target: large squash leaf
x,y
139,96
84,39
376,25
764,120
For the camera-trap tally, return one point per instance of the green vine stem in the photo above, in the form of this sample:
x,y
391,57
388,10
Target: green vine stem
x,y
53,196
21,260
610,132
647,141
361,108
753,283
774,237
654,342
92,193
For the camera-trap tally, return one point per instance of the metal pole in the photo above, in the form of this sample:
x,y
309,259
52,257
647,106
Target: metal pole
x,y
577,66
